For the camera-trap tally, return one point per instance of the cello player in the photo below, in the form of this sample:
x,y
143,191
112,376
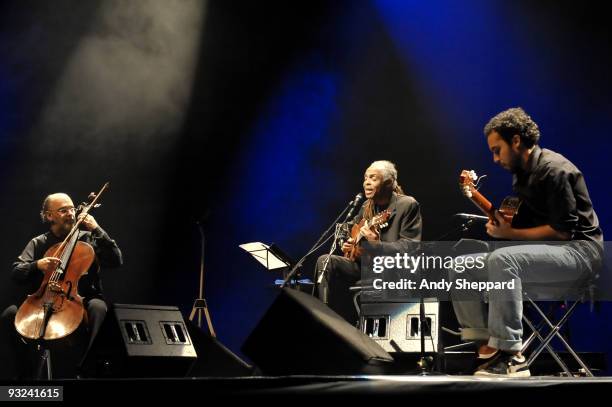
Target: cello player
x,y
59,213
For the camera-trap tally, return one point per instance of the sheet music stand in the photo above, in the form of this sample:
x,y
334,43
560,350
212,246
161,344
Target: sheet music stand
x,y
273,259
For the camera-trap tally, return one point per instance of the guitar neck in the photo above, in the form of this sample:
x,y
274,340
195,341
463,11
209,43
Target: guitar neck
x,y
483,203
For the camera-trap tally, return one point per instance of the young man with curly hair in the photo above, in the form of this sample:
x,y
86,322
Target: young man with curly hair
x,y
555,207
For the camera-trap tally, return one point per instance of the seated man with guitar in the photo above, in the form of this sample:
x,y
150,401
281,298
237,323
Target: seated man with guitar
x,y
553,204
47,268
387,215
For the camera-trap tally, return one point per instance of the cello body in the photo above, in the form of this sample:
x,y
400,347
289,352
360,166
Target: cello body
x,y
56,310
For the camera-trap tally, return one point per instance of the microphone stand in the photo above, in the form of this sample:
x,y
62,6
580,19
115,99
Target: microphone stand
x,y
295,268
424,362
463,227
321,273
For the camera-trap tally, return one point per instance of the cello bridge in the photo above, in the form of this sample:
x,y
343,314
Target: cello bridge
x,y
56,288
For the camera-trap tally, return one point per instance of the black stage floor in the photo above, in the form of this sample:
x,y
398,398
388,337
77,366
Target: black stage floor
x,y
413,387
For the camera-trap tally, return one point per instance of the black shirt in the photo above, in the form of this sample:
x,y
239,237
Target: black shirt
x,y
554,193
107,252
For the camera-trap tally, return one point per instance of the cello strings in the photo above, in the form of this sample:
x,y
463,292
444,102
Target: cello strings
x,y
56,274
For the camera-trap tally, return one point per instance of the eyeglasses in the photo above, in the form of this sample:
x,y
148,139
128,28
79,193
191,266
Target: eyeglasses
x,y
64,210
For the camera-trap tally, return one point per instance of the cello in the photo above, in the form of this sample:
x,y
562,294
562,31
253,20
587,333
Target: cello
x,y
56,309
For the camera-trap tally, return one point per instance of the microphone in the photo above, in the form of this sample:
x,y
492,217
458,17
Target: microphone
x,y
469,216
345,233
355,204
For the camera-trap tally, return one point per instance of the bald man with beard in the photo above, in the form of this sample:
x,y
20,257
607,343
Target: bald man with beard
x,y
59,213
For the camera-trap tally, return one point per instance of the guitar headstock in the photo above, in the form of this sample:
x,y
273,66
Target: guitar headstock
x,y
381,219
466,182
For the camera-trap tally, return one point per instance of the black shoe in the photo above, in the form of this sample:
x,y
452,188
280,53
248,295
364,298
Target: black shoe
x,y
507,365
483,361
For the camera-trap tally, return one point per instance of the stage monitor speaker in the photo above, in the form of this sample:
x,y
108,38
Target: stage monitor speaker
x,y
214,359
300,335
396,326
141,341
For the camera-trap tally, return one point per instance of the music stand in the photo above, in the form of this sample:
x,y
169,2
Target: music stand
x,y
271,257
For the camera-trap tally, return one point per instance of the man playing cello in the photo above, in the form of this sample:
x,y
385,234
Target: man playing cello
x,y
59,213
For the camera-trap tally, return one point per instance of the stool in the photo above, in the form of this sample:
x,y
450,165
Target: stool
x,y
586,289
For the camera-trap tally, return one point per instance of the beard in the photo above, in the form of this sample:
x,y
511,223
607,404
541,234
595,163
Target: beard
x,y
64,227
515,164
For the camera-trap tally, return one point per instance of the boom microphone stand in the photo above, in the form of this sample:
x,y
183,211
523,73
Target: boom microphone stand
x,y
317,244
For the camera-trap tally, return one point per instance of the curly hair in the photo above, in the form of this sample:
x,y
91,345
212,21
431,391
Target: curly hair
x,y
511,122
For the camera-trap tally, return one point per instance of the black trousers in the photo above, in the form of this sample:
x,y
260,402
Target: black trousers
x,y
14,352
340,274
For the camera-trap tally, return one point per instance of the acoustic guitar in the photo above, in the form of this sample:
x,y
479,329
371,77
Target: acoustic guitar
x,y
509,208
375,225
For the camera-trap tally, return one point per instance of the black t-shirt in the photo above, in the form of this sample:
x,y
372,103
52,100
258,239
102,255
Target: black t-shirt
x,y
107,252
555,193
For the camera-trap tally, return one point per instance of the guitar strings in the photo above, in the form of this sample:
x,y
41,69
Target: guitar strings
x,y
477,184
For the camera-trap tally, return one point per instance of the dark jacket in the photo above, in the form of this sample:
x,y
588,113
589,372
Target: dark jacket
x,y
26,273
